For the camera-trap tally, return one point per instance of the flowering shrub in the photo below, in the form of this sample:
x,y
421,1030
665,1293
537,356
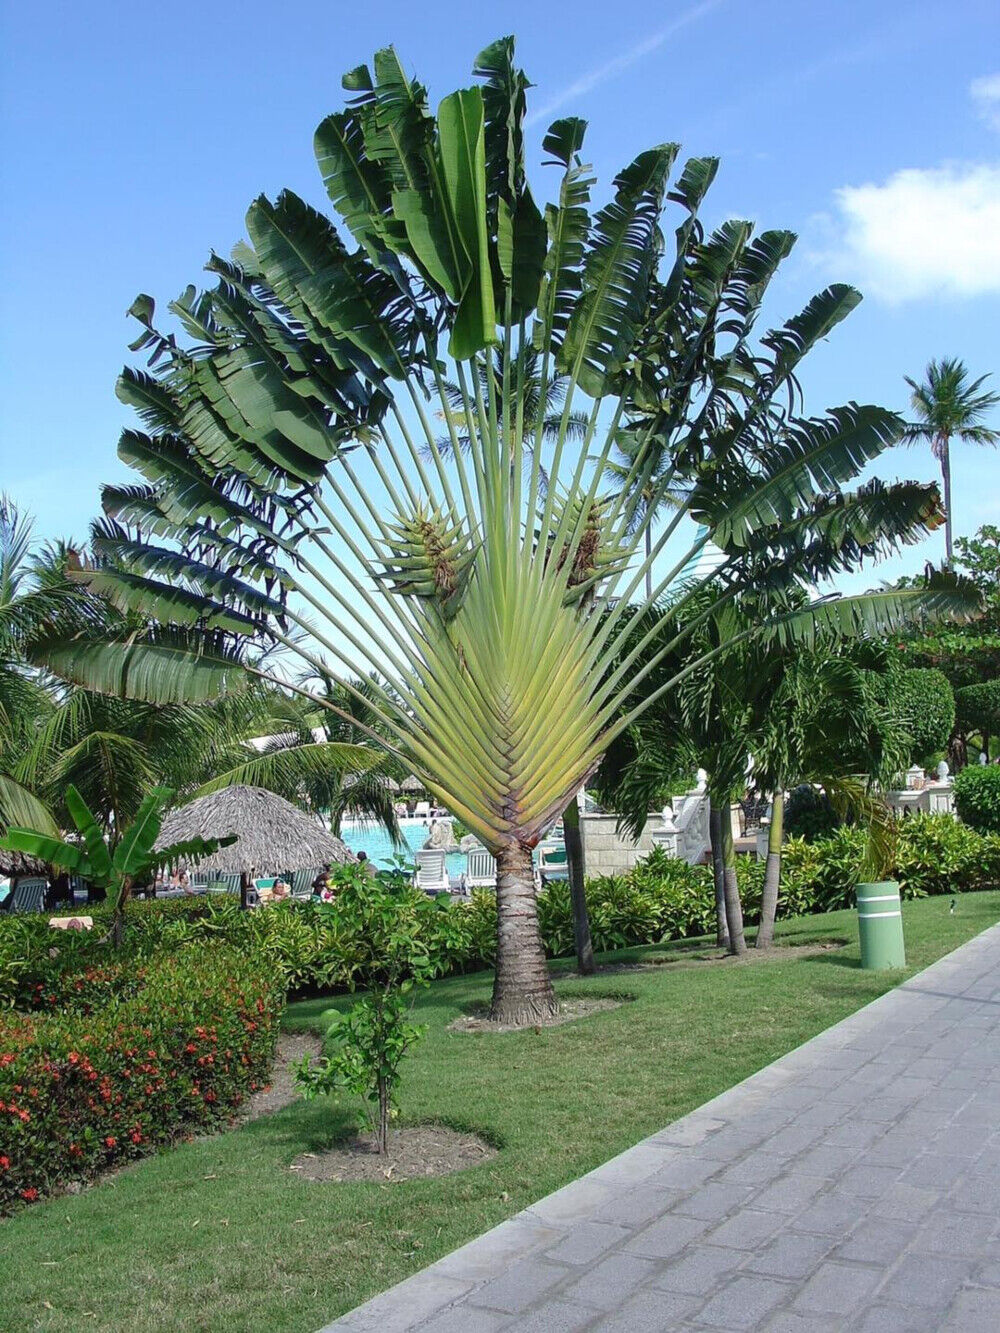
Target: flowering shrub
x,y
147,1056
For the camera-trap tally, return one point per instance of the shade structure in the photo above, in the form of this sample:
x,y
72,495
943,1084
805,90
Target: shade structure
x,y
352,780
16,863
272,835
412,784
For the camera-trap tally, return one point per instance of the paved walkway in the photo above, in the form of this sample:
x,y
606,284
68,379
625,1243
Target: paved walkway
x,y
853,1184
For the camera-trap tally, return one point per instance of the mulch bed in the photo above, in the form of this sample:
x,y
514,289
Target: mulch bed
x,y
415,1153
281,1091
478,1019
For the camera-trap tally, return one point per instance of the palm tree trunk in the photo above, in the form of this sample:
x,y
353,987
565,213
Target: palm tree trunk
x,y
734,908
522,990
577,890
772,873
946,477
718,874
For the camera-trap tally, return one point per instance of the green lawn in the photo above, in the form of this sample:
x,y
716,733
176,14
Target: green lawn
x,y
220,1235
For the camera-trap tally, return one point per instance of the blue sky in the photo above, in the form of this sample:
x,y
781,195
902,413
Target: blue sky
x,y
134,136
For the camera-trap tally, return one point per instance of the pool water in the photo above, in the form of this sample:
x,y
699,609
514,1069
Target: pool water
x,y
361,837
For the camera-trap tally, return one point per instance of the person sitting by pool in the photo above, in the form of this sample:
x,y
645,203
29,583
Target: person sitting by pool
x,y
281,889
366,865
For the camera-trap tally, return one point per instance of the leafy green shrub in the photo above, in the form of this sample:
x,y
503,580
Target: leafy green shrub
x,y
393,953
923,699
175,1047
977,797
821,876
809,814
322,948
936,854
977,708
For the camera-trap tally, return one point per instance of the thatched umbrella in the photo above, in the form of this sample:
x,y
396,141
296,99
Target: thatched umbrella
x,y
17,865
271,833
412,784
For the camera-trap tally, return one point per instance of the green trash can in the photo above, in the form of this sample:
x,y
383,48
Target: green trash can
x,y
880,925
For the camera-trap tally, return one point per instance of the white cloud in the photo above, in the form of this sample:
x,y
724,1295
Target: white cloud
x,y
924,232
985,93
612,68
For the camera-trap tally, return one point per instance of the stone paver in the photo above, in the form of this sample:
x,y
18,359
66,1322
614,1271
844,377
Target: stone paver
x,y
852,1185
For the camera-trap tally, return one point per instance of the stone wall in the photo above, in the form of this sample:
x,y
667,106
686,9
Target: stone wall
x,y
605,852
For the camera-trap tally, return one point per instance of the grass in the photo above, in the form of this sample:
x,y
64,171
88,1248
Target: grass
x,y
219,1234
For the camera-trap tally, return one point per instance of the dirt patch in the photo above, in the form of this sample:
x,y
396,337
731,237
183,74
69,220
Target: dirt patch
x,y
415,1153
478,1019
281,1091
672,963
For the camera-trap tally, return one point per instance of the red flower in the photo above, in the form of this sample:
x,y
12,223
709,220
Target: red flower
x,y
4,1162
111,1141
29,1196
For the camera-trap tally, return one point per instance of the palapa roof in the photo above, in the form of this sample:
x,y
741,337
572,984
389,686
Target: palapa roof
x,y
412,783
272,835
16,863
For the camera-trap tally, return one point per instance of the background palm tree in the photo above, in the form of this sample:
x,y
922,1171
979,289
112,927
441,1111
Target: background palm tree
x,y
949,407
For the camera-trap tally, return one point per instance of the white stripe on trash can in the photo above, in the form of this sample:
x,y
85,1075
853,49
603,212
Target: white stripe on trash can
x,y
882,898
870,916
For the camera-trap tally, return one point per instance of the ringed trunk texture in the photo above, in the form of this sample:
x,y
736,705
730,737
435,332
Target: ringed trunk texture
x,y
577,869
522,990
772,874
734,908
718,875
946,478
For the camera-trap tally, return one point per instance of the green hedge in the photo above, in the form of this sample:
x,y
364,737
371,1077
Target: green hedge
x,y
923,699
140,1054
315,947
977,797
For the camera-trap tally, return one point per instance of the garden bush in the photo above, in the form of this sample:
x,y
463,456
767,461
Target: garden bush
x,y
320,947
809,814
924,701
142,1055
977,797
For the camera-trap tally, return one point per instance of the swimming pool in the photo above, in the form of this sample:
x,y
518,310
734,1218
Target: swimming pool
x,y
375,842
362,837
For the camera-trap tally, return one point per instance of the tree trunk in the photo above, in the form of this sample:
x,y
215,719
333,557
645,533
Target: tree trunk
x,y
772,873
577,869
244,888
734,908
718,874
382,1128
522,990
946,477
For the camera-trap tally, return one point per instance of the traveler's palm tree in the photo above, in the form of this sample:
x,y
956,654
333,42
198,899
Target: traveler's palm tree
x,y
950,407
541,410
287,500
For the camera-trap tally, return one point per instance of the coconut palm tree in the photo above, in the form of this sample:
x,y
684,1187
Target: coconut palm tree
x,y
947,407
287,502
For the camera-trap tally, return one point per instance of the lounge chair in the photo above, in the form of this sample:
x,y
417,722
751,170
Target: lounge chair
x,y
432,871
224,883
302,882
28,895
480,870
552,862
